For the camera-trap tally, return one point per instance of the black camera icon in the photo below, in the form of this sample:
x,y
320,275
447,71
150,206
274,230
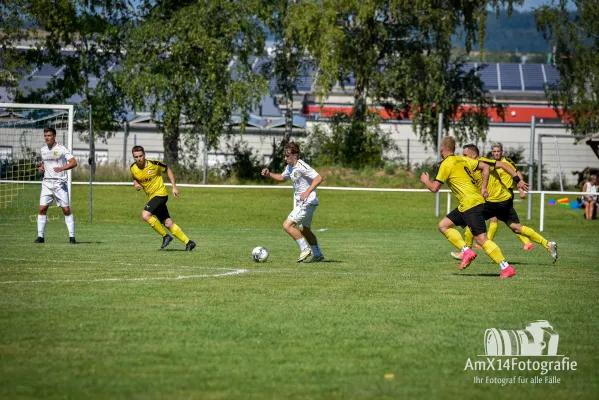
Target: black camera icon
x,y
537,339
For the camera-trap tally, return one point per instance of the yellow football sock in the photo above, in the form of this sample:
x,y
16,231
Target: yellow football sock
x,y
178,233
155,224
493,251
492,230
523,239
534,236
455,238
468,237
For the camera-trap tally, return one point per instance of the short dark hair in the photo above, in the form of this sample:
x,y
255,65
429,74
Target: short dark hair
x,y
137,148
50,129
292,148
472,147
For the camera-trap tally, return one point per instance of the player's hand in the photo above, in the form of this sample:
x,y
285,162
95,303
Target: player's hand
x,y
304,195
522,193
266,172
175,192
484,193
57,169
424,178
522,185
138,187
41,169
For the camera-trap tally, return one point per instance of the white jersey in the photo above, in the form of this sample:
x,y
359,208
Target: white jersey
x,y
57,156
301,176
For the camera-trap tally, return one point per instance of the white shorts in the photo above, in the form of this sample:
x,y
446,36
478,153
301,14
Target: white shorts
x,y
302,213
55,190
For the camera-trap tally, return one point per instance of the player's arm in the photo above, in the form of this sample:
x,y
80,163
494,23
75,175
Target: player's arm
x,y
72,163
277,177
433,186
484,170
315,182
171,177
42,168
512,172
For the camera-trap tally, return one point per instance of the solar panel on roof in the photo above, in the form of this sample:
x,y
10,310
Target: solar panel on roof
x,y
533,77
488,74
510,76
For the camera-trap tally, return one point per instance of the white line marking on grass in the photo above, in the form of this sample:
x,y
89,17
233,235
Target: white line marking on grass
x,y
230,272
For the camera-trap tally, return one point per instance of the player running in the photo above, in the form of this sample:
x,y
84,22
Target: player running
x,y
500,202
147,175
458,173
305,181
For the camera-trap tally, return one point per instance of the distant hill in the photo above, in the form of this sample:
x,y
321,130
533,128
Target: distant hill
x,y
517,32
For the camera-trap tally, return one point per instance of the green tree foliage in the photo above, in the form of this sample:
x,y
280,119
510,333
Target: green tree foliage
x,y
91,32
575,36
339,143
188,62
378,41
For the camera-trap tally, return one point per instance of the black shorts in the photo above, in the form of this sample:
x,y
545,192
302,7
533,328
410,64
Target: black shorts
x,y
473,218
504,211
157,206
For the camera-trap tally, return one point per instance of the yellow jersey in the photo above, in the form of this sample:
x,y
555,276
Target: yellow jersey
x,y
458,173
150,178
498,192
507,180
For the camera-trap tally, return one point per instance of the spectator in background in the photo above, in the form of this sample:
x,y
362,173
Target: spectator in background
x,y
590,200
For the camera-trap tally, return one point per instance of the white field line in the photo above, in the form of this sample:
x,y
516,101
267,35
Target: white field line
x,y
230,272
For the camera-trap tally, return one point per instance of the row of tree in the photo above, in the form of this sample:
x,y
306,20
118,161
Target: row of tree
x,y
189,62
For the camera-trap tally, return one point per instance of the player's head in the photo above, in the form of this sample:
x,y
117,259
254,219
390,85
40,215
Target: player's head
x,y
291,152
447,146
471,151
497,151
50,135
139,154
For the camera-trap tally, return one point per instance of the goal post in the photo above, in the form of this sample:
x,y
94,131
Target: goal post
x,y
21,138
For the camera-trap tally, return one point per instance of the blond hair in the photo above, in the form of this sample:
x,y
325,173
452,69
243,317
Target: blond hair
x,y
448,143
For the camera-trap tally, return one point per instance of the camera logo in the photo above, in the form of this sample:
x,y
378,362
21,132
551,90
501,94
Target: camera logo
x,y
537,339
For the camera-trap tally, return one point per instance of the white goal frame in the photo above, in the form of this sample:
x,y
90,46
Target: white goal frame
x,y
70,122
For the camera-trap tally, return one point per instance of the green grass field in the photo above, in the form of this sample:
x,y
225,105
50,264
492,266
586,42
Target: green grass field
x,y
387,316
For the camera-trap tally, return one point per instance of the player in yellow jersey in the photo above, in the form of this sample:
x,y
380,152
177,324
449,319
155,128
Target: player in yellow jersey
x,y
500,202
497,152
147,175
458,173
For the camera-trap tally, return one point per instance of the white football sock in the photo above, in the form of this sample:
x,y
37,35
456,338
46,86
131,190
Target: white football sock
x,y
41,225
302,244
70,221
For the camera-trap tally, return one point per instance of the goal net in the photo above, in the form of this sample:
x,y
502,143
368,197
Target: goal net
x,y
21,138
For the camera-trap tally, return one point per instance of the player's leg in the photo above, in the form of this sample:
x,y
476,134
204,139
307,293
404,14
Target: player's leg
x,y
303,220
290,226
178,233
61,193
46,198
447,228
535,237
148,215
492,228
475,217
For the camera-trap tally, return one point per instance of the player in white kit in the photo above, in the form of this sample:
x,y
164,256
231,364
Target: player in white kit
x,y
305,181
56,160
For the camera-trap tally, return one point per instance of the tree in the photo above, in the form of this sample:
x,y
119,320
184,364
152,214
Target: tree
x,y
575,37
83,39
188,62
375,41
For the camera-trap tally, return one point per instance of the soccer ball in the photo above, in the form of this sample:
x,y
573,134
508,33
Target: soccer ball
x,y
260,254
